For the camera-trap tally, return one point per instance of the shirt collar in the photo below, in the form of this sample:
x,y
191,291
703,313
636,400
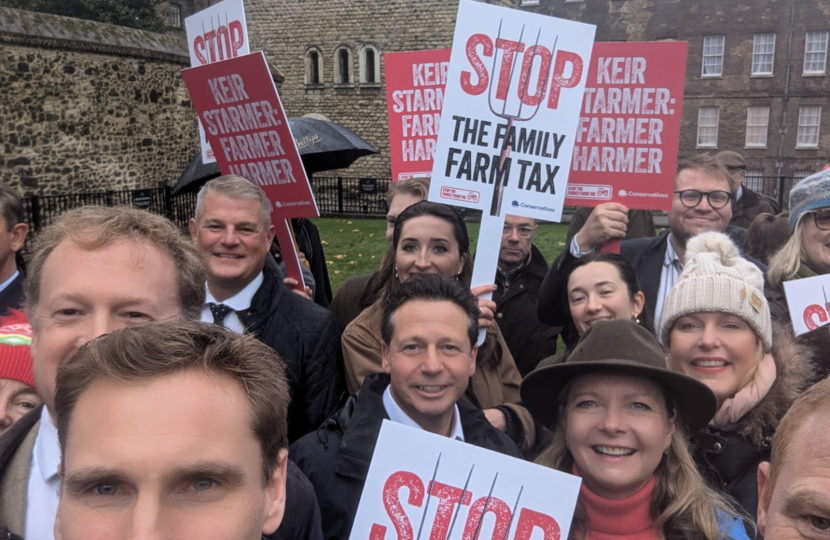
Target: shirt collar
x,y
396,414
241,300
8,281
739,194
671,258
47,447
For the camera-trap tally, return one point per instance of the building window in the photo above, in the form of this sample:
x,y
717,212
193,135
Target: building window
x,y
754,180
707,127
712,56
763,54
369,65
809,121
342,66
313,67
174,15
815,53
757,124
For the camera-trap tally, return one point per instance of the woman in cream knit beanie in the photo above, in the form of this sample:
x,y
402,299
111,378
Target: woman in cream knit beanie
x,y
717,329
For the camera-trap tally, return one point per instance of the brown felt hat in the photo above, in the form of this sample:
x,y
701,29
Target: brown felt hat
x,y
617,347
732,160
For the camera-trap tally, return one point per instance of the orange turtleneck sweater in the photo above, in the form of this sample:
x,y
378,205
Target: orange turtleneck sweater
x,y
620,519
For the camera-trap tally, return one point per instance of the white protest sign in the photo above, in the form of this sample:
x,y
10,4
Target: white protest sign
x,y
214,34
417,480
809,302
511,108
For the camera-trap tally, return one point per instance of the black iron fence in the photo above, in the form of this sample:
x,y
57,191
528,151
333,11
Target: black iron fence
x,y
335,196
351,196
40,210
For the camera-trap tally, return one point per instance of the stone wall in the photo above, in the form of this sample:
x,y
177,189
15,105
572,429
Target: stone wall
x,y
91,107
286,29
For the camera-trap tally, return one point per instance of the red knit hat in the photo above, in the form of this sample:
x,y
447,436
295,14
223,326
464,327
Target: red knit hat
x,y
15,340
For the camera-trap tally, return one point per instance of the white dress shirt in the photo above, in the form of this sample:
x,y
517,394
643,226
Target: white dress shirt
x,y
42,495
672,267
238,302
8,281
396,414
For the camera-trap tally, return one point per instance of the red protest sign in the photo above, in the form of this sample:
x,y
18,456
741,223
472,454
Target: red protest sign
x,y
629,128
246,126
414,99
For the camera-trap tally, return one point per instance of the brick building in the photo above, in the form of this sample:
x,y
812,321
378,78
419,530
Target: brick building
x,y
756,74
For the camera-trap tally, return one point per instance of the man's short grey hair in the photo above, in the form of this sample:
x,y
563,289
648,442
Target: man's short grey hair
x,y
234,187
10,206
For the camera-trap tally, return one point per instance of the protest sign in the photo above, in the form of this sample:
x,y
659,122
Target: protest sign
x,y
238,103
511,107
421,485
809,302
414,99
214,34
629,126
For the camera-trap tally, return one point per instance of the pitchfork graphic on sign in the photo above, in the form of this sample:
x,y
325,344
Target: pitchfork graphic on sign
x,y
524,81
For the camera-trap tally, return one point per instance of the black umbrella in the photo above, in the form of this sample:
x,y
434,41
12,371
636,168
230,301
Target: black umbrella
x,y
323,146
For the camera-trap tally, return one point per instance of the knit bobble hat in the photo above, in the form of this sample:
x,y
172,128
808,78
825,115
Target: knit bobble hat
x,y
717,279
15,340
810,193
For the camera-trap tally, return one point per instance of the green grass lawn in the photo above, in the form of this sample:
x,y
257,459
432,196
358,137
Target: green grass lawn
x,y
356,246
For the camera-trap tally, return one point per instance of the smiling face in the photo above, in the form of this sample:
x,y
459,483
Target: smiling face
x,y
427,246
718,349
430,361
596,292
515,249
88,293
233,241
688,222
815,242
799,502
617,428
196,474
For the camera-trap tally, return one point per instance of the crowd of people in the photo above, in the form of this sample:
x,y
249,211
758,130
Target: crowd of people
x,y
155,386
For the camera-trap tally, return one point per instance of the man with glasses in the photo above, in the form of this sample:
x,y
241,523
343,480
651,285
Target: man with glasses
x,y
746,204
702,202
521,270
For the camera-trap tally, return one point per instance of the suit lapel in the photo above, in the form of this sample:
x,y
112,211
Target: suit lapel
x,y
14,484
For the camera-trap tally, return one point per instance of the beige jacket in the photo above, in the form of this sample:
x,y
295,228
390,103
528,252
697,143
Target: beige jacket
x,y
493,385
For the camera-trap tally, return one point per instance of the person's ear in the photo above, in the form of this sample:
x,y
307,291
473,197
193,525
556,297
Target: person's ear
x,y
461,264
19,233
193,228
764,495
275,494
272,231
672,425
473,355
638,303
384,352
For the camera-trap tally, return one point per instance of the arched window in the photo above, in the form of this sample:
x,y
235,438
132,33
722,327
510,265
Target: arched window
x,y
313,67
342,65
369,65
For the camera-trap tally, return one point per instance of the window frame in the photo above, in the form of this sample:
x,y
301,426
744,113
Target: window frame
x,y
801,126
749,111
338,75
174,10
823,70
722,55
698,144
362,65
320,68
755,54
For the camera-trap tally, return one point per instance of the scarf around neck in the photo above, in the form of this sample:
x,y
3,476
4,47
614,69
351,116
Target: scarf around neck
x,y
748,397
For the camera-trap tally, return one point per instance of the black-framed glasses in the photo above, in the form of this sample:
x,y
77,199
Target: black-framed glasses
x,y
524,231
822,219
692,197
